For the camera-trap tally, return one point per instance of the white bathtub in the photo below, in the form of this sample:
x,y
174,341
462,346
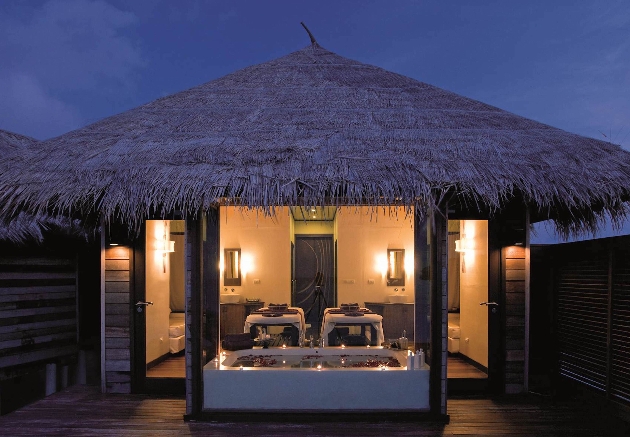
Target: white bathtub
x,y
307,382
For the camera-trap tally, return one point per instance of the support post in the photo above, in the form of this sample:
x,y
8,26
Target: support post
x,y
51,378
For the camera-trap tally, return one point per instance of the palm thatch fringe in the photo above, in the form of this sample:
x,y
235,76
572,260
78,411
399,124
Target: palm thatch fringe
x,y
26,228
15,152
315,128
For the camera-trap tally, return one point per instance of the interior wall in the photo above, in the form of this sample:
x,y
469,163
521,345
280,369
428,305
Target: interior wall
x,y
176,277
474,290
265,244
157,278
364,235
313,227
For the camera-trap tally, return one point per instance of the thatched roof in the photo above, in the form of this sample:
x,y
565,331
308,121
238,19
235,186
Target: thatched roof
x,y
13,145
15,151
314,127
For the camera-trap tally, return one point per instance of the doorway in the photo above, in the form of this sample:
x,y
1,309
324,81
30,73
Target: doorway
x,y
468,304
314,279
159,337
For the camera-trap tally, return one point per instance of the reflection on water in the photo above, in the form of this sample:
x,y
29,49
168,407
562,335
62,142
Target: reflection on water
x,y
316,361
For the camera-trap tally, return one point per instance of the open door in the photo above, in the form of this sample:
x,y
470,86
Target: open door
x,y
159,329
474,323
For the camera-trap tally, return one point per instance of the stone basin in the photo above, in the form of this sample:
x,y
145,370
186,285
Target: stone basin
x,y
397,298
229,298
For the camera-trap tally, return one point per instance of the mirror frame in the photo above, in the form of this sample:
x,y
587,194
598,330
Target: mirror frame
x,y
226,255
391,281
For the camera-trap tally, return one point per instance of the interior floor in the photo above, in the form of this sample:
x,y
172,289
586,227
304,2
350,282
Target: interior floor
x,y
459,368
172,367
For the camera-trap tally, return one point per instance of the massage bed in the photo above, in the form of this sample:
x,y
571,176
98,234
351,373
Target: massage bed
x,y
453,333
176,332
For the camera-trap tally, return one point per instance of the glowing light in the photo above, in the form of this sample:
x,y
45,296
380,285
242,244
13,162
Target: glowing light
x,y
380,264
319,367
162,243
463,245
409,265
247,264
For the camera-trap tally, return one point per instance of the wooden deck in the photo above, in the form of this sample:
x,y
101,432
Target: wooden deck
x,y
83,411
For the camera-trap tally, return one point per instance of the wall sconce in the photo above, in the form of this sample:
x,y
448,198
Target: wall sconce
x,y
164,246
247,264
462,245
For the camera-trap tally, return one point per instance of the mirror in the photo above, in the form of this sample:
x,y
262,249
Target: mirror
x,y
395,267
232,267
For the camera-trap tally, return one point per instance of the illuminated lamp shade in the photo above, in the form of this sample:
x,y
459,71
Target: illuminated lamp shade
x,y
462,245
165,246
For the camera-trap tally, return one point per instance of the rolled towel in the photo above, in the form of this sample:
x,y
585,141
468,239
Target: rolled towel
x,y
278,306
349,307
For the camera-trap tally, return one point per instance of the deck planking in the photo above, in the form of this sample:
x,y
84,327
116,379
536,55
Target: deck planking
x,y
84,411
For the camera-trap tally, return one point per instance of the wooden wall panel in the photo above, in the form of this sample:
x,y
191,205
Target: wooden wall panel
x,y
117,342
38,307
515,274
191,250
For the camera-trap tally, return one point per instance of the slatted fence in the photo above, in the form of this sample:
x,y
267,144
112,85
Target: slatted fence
x,y
38,308
38,321
591,284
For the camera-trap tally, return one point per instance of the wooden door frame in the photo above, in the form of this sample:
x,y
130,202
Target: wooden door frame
x,y
138,335
496,293
139,381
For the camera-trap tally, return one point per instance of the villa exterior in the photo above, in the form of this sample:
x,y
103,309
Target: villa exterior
x,y
310,174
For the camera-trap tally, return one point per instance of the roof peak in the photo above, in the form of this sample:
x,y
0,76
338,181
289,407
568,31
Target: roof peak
x,y
310,35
